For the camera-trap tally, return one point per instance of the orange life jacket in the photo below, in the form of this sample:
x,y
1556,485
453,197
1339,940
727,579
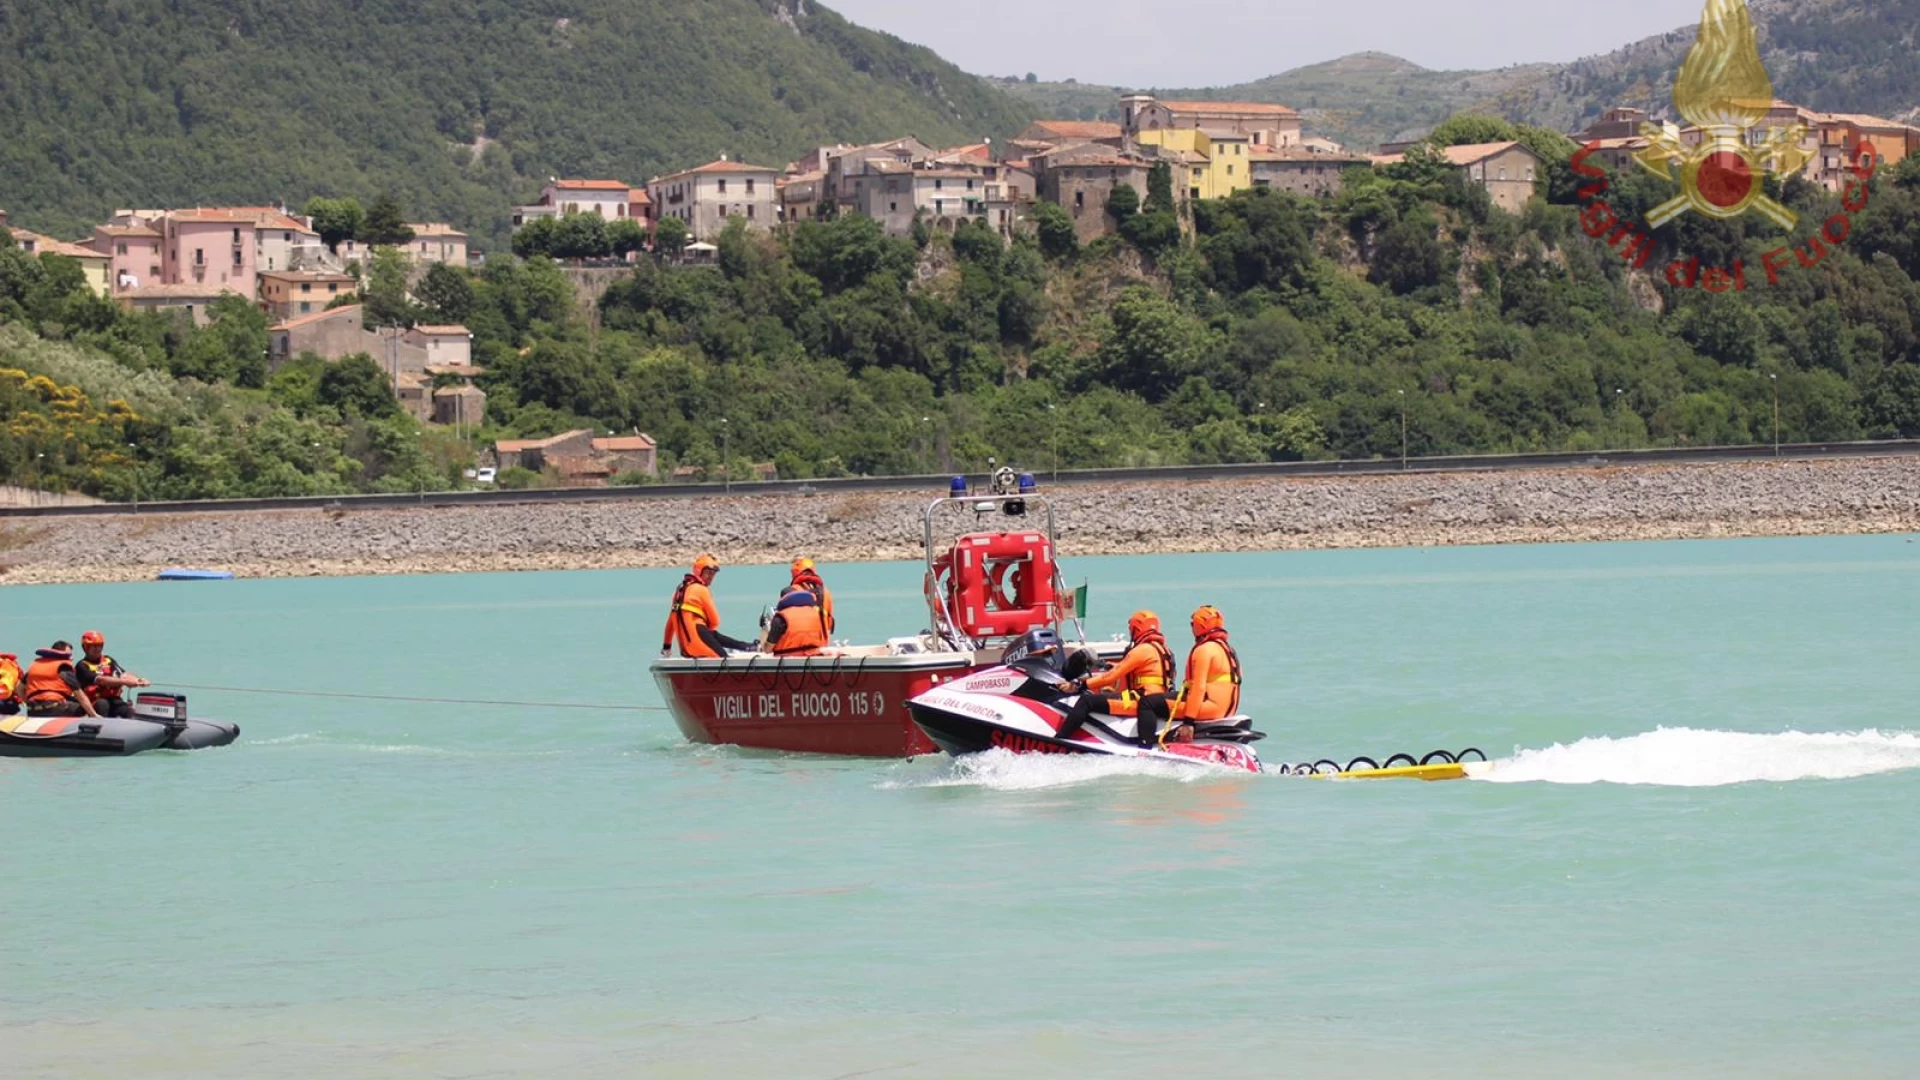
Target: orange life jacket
x,y
107,666
43,684
1219,695
805,634
684,620
10,676
812,582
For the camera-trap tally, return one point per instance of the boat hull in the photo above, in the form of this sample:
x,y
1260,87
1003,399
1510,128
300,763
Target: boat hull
x,y
848,706
113,737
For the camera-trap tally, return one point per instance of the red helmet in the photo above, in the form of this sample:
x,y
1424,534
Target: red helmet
x,y
1142,623
706,564
92,637
1207,619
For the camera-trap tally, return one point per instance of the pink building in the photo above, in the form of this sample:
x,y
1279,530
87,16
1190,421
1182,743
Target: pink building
x,y
133,254
211,247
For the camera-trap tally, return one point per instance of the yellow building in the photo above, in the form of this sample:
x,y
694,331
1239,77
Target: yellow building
x,y
92,263
1218,163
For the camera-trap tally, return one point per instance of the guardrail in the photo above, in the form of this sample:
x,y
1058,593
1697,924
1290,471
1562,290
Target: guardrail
x,y
1078,477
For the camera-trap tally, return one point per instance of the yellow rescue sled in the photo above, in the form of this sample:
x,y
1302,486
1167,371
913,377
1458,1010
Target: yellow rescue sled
x,y
1437,765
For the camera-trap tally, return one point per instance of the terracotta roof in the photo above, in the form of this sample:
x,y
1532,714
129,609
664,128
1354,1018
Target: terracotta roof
x,y
127,230
294,324
218,215
1863,120
1079,129
517,445
638,195
982,152
176,292
444,330
592,185
946,174
720,167
1249,108
306,275
47,245
624,442
435,228
1472,153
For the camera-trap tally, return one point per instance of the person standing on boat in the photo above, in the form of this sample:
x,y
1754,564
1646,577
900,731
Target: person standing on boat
x,y
799,625
51,688
806,577
1124,689
103,679
1211,690
10,676
694,621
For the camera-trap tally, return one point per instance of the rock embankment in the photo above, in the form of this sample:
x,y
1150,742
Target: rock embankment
x,y
1417,509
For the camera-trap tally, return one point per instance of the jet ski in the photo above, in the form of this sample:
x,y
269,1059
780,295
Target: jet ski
x,y
1020,705
159,722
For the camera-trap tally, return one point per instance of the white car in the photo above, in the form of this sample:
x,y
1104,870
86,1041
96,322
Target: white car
x,y
484,476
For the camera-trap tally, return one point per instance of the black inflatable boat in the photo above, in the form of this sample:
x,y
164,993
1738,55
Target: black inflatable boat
x,y
159,722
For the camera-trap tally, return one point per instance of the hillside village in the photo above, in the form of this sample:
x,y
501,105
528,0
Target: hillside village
x,y
186,259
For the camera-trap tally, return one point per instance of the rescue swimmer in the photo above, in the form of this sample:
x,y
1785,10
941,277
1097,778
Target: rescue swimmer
x,y
693,622
1142,675
11,675
1211,689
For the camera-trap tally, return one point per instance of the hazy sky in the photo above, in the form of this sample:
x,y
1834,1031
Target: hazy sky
x,y
1220,42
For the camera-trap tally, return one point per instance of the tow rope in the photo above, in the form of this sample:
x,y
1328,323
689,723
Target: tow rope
x,y
1329,767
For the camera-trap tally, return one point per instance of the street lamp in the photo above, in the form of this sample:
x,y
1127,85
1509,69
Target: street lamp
x,y
927,433
1775,379
136,480
1053,422
1403,430
726,466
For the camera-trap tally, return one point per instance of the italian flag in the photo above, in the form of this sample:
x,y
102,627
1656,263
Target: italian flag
x,y
1076,603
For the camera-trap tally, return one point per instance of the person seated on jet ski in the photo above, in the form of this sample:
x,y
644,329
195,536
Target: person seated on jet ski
x,y
694,622
1123,689
799,625
1211,690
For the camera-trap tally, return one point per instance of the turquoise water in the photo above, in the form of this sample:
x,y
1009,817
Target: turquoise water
x,y
1702,861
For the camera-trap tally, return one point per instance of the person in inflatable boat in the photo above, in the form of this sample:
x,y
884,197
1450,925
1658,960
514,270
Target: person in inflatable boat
x,y
51,688
103,679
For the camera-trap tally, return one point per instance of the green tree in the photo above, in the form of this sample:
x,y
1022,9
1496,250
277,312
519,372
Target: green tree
x,y
1123,202
537,237
447,293
357,386
626,236
385,223
1055,230
384,300
335,219
1160,187
671,235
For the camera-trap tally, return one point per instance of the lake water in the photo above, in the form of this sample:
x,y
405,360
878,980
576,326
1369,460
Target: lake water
x,y
1700,860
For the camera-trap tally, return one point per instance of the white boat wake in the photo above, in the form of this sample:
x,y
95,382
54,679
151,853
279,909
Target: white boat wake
x,y
1689,757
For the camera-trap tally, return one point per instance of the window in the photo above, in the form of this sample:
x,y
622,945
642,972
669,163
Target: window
x,y
236,235
1079,199
749,211
723,185
236,258
969,185
153,271
305,307
1193,193
199,256
306,286
749,185
1196,174
120,248
892,207
1229,170
1529,174
286,237
1503,172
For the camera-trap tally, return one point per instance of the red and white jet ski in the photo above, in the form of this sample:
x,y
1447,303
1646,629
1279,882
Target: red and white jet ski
x,y
1020,706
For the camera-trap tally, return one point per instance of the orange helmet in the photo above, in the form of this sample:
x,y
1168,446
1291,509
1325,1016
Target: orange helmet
x,y
92,637
706,564
1207,618
1142,623
801,565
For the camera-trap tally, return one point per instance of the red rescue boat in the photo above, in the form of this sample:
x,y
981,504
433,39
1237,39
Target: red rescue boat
x,y
984,588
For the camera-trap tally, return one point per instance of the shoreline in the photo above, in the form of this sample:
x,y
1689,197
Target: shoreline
x,y
1572,505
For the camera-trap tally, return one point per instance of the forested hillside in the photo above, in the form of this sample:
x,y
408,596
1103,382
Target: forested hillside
x,y
1273,327
458,107
1833,55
